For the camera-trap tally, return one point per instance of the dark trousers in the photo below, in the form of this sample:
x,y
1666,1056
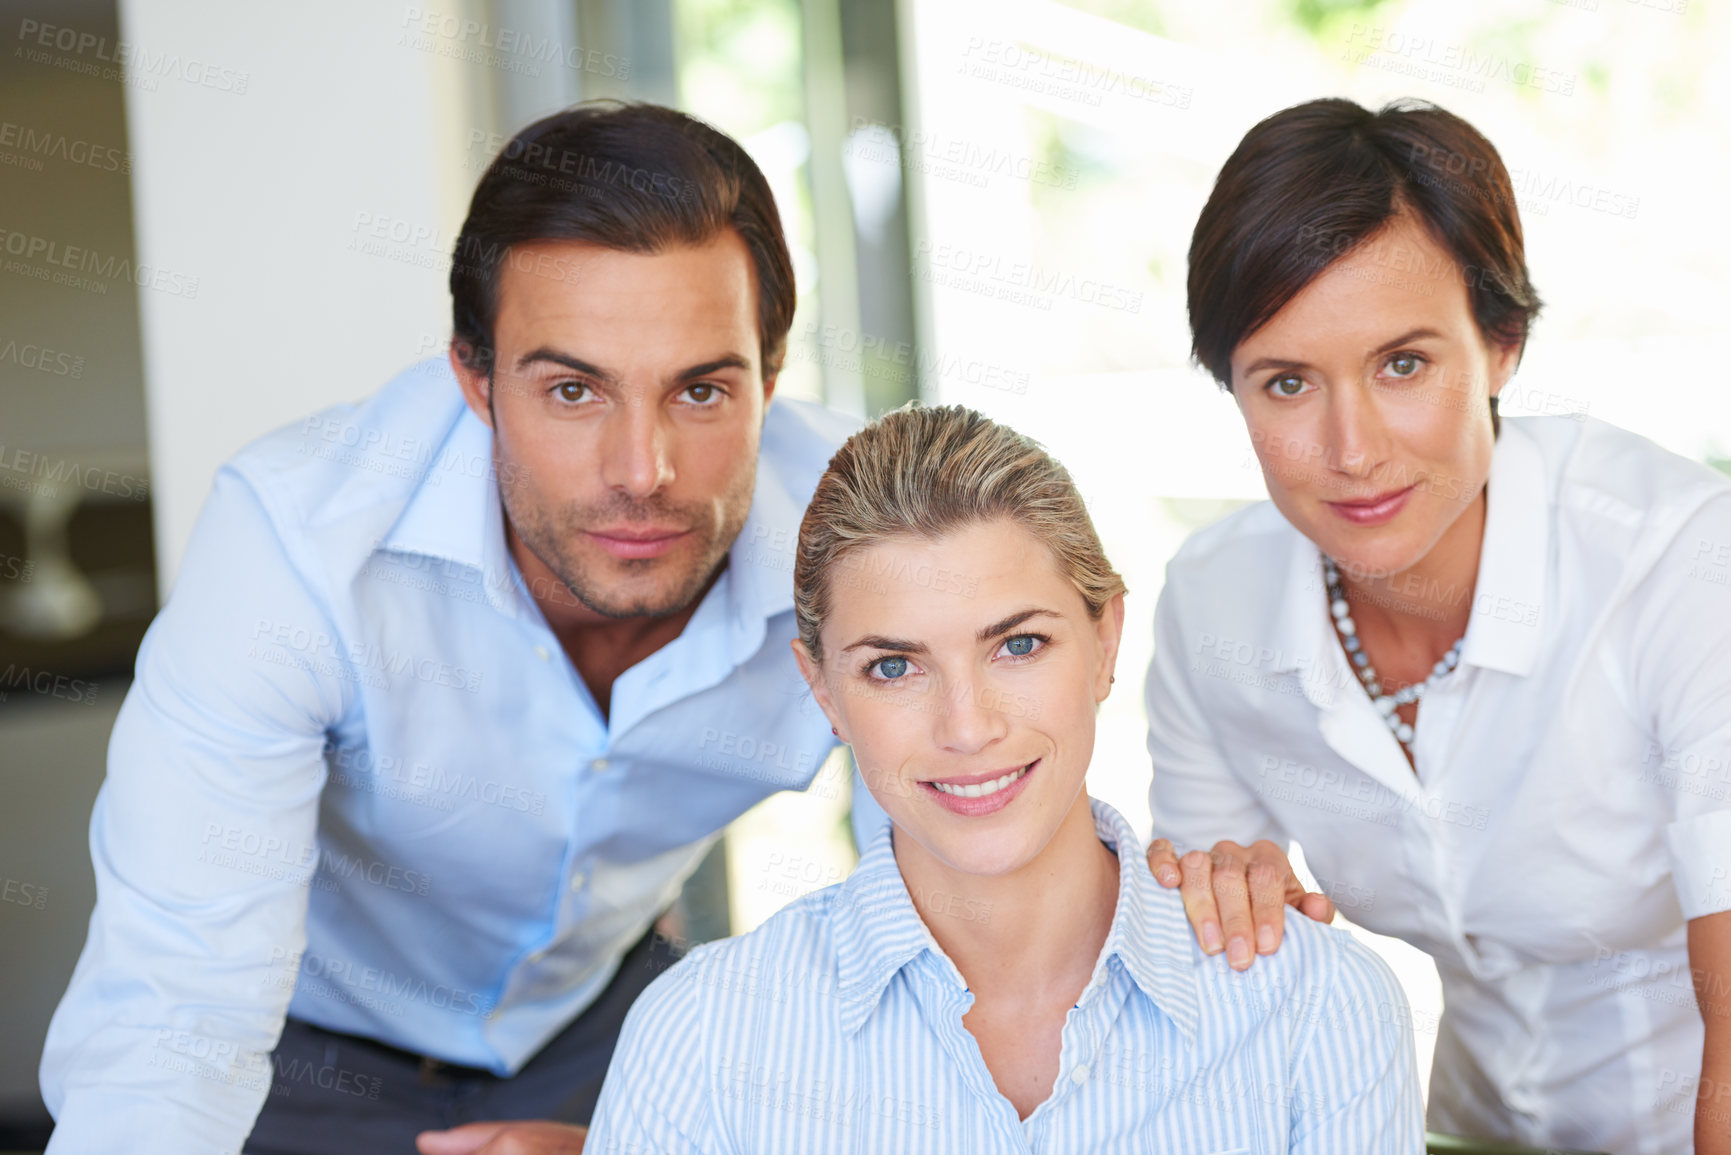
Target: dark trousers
x,y
334,1094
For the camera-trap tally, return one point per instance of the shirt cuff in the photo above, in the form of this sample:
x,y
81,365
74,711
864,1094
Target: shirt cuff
x,y
1701,863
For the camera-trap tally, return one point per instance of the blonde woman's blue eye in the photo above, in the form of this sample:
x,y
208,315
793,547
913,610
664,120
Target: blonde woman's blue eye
x,y
1022,645
890,668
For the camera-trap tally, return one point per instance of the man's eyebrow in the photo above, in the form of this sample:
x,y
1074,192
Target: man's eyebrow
x,y
730,361
1000,628
879,642
553,356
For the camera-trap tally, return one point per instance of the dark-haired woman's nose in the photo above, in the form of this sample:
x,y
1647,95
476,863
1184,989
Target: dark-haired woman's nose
x,y
1356,434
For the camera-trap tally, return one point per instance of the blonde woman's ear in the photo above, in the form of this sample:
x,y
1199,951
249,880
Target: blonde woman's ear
x,y
1110,631
813,676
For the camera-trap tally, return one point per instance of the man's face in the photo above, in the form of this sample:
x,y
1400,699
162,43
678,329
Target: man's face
x,y
626,401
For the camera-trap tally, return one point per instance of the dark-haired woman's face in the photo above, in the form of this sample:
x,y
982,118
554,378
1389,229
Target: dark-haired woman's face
x,y
1367,400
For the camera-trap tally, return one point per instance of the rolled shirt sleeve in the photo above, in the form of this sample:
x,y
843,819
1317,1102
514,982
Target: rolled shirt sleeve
x,y
203,840
1682,674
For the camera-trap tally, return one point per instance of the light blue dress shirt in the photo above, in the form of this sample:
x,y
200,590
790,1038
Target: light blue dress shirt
x,y
358,781
836,1028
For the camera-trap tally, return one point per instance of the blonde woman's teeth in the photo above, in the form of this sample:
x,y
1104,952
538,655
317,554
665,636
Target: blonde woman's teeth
x,y
980,790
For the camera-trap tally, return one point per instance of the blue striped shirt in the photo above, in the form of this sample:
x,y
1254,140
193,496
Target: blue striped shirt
x,y
837,1027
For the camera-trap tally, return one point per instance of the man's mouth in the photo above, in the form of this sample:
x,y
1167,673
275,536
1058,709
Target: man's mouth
x,y
634,542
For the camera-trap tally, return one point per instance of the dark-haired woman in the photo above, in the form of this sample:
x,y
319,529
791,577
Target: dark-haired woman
x,y
1479,670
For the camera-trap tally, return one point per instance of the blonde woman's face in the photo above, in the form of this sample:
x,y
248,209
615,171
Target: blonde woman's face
x,y
965,672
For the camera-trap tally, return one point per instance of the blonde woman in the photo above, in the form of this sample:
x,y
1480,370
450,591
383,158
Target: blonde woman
x,y
1001,973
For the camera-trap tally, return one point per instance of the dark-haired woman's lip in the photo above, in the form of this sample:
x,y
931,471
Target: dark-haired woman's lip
x,y
1372,511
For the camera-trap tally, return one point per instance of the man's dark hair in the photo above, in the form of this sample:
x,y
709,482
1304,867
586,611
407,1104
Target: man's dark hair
x,y
1309,184
638,178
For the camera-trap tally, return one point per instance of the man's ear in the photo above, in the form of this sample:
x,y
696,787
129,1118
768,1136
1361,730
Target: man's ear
x,y
476,384
813,676
1110,630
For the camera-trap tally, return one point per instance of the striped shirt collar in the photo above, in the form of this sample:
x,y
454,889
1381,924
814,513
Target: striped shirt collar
x,y
878,931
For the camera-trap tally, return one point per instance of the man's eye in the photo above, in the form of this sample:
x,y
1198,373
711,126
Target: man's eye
x,y
571,390
890,668
1287,386
1404,364
703,392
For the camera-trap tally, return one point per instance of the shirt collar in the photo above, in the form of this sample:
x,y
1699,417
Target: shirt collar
x,y
878,931
455,514
760,561
1503,631
1150,935
1508,598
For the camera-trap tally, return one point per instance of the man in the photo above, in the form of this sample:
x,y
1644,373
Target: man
x,y
457,685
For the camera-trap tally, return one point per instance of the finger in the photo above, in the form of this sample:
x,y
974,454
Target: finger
x,y
1163,862
465,1140
1232,899
1198,897
1317,907
1268,878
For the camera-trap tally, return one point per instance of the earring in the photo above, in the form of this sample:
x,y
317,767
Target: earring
x,y
1113,678
832,730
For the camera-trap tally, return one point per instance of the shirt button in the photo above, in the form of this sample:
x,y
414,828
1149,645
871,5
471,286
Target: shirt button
x,y
598,764
542,653
577,881
1079,1075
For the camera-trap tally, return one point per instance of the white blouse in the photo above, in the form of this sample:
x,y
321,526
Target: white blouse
x,y
1571,807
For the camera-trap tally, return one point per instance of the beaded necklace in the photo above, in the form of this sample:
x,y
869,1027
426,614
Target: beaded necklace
x,y
1386,704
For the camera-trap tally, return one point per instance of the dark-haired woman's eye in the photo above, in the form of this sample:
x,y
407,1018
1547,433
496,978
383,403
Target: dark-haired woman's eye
x,y
1287,386
890,668
1404,364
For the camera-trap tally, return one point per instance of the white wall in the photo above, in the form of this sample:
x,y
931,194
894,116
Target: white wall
x,y
260,139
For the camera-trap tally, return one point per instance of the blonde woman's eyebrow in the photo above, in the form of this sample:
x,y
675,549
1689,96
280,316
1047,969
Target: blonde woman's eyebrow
x,y
879,642
1000,628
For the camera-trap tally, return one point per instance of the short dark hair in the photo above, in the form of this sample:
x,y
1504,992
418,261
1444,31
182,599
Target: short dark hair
x,y
1309,184
634,177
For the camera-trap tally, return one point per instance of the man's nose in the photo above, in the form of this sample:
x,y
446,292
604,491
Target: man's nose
x,y
637,454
